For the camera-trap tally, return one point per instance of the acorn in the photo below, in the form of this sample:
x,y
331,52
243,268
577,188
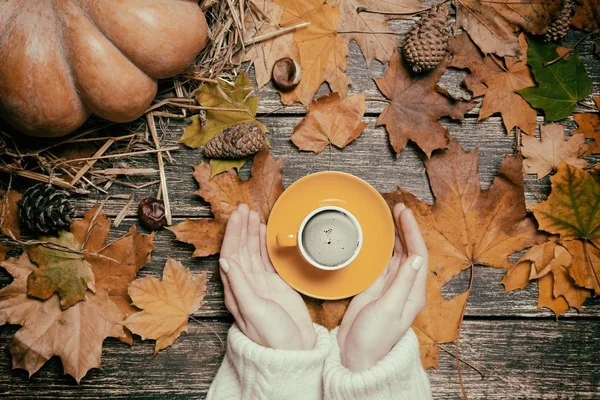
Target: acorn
x,y
286,74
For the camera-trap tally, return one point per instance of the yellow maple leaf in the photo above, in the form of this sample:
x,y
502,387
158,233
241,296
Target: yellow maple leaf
x,y
166,304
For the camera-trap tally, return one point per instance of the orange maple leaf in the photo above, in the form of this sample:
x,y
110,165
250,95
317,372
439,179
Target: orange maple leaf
x,y
586,15
589,126
225,192
498,80
468,225
416,105
322,52
330,120
167,304
493,25
114,265
9,213
75,334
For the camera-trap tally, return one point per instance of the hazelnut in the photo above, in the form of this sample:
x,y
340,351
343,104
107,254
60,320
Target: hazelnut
x,y
286,74
151,213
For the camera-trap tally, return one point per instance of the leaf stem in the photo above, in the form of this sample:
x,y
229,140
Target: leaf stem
x,y
570,50
366,10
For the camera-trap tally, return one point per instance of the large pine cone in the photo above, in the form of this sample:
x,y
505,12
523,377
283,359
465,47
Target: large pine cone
x,y
44,209
427,42
237,141
560,26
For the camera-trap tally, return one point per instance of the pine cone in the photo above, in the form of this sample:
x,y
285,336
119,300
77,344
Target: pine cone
x,y
426,43
44,209
237,141
560,26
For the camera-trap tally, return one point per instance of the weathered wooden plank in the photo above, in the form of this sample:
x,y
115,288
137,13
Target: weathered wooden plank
x,y
520,359
370,157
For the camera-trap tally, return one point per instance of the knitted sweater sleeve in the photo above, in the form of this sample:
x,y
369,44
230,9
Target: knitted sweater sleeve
x,y
399,375
252,372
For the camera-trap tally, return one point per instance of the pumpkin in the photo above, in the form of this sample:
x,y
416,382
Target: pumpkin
x,y
63,60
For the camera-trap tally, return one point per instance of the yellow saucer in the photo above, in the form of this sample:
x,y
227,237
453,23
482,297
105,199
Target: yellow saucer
x,y
331,189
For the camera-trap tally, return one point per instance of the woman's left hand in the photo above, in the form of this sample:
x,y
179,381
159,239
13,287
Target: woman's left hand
x,y
265,308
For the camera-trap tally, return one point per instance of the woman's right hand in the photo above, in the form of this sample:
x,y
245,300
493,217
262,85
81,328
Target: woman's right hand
x,y
380,316
265,308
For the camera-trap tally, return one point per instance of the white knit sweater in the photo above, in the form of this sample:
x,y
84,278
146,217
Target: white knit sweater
x,y
252,372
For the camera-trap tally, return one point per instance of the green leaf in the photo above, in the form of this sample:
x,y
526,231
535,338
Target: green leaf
x,y
220,165
560,85
62,269
230,105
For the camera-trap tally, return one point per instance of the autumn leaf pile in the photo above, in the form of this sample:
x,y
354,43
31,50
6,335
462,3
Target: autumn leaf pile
x,y
509,72
73,290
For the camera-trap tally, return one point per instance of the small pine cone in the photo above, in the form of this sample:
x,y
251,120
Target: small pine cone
x,y
427,42
44,209
237,141
560,26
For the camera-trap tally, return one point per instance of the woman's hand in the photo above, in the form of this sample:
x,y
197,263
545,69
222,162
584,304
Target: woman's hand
x,y
265,308
378,317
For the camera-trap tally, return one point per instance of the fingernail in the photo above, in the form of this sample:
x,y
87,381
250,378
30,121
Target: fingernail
x,y
224,265
401,206
416,262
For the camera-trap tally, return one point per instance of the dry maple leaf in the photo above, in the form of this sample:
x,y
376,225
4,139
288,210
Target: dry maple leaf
x,y
370,30
264,54
63,270
330,120
416,105
585,268
586,15
546,296
327,313
9,213
115,265
497,79
225,192
573,208
439,321
545,155
3,251
468,225
565,286
322,52
589,125
493,25
75,334
167,304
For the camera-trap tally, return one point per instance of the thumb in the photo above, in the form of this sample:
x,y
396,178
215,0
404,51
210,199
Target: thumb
x,y
397,293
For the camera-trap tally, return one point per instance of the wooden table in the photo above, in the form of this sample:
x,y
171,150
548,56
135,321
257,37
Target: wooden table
x,y
523,352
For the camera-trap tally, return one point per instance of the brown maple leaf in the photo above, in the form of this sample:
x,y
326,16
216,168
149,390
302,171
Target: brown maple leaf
x,y
225,192
264,54
3,251
565,286
167,304
585,268
493,25
322,52
439,321
370,30
468,225
330,120
114,265
586,15
497,79
416,105
589,126
9,213
545,155
546,297
327,313
75,334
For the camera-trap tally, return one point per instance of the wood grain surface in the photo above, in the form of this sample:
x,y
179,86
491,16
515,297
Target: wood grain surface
x,y
523,352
